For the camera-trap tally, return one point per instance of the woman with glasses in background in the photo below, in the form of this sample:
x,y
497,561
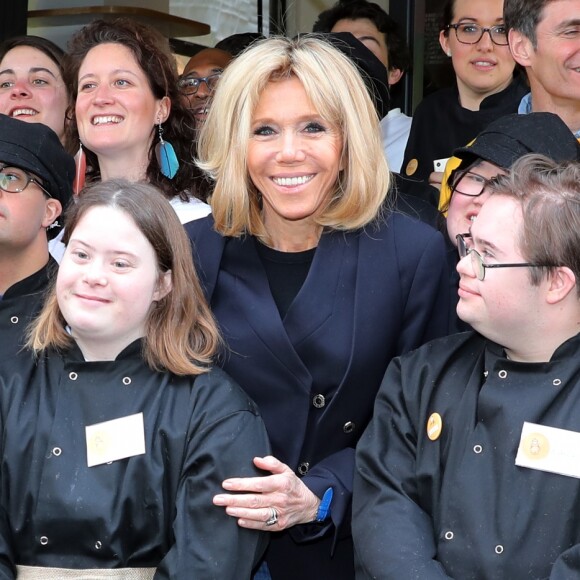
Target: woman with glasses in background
x,y
474,37
491,154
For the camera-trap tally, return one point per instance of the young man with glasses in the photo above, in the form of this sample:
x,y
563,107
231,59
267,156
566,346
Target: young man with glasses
x,y
199,80
492,154
35,186
470,466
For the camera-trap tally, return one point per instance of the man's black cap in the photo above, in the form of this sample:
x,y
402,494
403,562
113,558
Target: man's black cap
x,y
36,148
508,138
373,71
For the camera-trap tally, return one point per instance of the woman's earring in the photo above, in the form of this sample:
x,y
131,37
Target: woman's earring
x,y
166,156
80,170
448,53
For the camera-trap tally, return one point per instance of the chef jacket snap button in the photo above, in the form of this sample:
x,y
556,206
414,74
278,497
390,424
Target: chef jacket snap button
x,y
318,401
303,468
556,382
56,451
98,545
14,319
126,380
43,540
499,549
502,374
348,427
73,376
449,535
477,449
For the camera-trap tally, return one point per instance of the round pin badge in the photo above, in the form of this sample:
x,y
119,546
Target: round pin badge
x,y
434,426
535,446
411,167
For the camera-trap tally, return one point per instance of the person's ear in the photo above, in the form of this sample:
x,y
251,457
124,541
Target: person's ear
x,y
394,76
561,282
164,286
52,209
164,108
521,47
444,42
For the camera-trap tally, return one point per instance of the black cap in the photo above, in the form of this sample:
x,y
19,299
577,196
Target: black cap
x,y
36,148
508,138
373,71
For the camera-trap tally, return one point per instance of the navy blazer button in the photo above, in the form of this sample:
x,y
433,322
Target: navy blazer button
x,y
14,319
348,427
318,401
499,549
98,545
126,380
73,376
43,540
477,449
56,451
449,535
303,468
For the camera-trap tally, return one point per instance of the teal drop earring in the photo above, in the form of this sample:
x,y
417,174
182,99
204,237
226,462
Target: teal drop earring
x,y
166,157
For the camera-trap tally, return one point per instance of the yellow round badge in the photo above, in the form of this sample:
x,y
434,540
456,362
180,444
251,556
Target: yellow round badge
x,y
434,426
535,446
411,167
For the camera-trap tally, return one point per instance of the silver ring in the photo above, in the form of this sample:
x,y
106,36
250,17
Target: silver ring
x,y
273,519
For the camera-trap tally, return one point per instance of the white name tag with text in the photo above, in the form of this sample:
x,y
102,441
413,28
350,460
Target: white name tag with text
x,y
549,449
116,439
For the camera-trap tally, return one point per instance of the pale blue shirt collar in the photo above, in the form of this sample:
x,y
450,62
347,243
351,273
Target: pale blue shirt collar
x,y
525,107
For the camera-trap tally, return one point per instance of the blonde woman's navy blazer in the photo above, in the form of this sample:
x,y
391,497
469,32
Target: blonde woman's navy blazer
x,y
369,295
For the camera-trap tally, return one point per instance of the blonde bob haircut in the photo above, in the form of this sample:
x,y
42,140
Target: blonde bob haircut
x,y
336,89
181,335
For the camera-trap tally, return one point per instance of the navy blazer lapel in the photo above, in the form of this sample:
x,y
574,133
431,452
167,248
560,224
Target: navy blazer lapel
x,y
253,297
207,249
315,302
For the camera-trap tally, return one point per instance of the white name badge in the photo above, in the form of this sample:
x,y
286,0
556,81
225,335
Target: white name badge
x,y
116,439
439,164
549,449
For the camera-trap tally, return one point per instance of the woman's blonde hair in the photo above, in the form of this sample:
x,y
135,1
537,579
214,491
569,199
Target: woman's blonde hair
x,y
181,335
335,87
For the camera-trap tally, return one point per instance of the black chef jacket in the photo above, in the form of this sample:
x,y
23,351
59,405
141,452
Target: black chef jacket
x,y
441,124
458,506
151,510
19,305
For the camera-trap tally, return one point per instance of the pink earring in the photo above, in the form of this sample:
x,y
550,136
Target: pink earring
x,y
80,170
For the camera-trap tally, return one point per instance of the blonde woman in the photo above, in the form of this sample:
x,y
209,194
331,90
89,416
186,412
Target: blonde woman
x,y
315,282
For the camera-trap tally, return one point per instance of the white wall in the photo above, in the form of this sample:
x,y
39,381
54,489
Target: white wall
x,y
225,17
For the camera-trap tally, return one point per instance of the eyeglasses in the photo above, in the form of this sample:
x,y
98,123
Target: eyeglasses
x,y
479,267
469,183
470,33
189,85
15,180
